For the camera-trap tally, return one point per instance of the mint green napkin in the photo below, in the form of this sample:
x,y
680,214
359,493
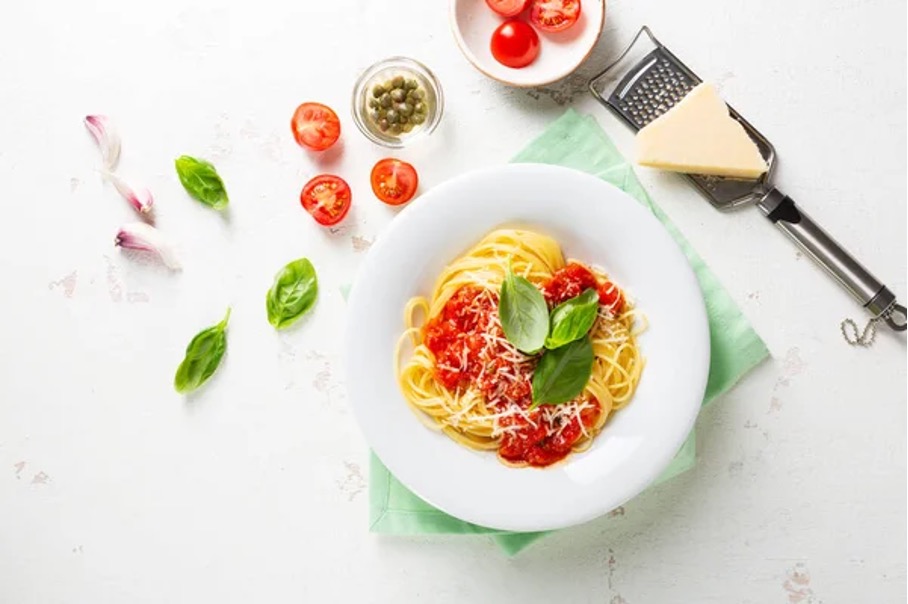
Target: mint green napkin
x,y
579,142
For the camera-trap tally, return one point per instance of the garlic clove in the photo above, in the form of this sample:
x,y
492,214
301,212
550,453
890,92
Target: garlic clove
x,y
105,135
140,198
142,236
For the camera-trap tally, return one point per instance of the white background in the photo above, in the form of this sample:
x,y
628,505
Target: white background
x,y
115,489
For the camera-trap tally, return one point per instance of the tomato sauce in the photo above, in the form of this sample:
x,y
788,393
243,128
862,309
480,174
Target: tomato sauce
x,y
571,281
465,340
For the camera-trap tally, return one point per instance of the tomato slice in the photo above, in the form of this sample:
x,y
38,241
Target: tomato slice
x,y
515,44
315,126
554,15
393,181
327,198
508,8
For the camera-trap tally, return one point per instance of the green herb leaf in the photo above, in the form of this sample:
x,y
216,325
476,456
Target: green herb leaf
x,y
293,293
524,314
562,373
203,355
572,319
201,180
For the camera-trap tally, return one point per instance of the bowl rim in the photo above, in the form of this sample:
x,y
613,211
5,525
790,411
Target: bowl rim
x,y
458,38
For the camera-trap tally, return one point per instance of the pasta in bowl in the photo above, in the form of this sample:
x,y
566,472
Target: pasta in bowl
x,y
467,378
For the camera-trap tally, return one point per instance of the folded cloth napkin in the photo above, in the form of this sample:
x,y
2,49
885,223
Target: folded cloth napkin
x,y
579,142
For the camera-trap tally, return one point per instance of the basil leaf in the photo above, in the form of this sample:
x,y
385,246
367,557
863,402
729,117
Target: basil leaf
x,y
562,373
524,314
201,180
293,293
572,319
203,355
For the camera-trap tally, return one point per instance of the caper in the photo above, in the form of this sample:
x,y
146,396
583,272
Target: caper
x,y
407,127
385,100
420,107
418,118
404,108
383,124
403,119
395,129
411,84
392,116
420,93
397,82
378,90
375,115
411,95
398,94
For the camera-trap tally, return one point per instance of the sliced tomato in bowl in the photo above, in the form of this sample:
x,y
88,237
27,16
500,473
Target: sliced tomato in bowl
x,y
394,181
515,44
554,15
315,126
327,198
508,8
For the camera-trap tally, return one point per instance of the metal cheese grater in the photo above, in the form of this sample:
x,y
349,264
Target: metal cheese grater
x,y
645,81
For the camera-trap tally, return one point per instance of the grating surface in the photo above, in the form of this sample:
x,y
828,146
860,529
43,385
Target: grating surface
x,y
645,94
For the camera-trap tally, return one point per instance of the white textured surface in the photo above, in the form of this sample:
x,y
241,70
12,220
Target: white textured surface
x,y
113,489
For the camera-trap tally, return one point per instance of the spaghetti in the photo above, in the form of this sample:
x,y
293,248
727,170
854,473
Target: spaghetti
x,y
467,380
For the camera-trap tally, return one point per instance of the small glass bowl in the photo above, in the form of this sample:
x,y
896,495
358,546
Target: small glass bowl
x,y
380,73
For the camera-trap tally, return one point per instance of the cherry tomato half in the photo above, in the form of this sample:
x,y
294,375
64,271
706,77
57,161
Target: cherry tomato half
x,y
554,15
508,8
327,198
393,181
515,44
315,126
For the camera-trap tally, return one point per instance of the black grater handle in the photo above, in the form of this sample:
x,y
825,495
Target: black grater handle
x,y
819,245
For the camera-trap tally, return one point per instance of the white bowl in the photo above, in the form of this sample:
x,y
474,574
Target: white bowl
x,y
594,222
473,22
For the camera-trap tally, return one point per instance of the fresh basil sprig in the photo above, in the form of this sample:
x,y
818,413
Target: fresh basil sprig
x,y
562,373
572,319
293,293
524,314
203,355
201,180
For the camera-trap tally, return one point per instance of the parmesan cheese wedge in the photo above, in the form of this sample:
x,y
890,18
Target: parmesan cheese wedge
x,y
698,136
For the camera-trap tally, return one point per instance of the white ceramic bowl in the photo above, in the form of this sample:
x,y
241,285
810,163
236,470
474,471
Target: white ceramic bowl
x,y
473,22
594,222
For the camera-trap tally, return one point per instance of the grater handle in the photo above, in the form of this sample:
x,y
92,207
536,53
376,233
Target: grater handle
x,y
816,243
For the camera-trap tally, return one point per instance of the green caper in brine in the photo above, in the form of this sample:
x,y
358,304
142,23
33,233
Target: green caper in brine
x,y
408,127
383,124
418,118
411,84
385,100
392,116
378,90
395,129
404,108
397,82
420,107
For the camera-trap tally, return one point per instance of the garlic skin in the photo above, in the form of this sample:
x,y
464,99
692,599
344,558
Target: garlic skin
x,y
102,130
142,236
140,198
